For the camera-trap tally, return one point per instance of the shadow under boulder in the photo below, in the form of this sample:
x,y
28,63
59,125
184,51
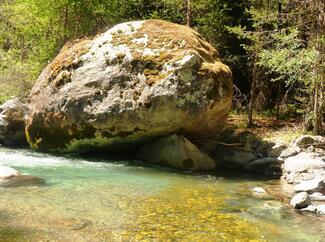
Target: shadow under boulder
x,y
176,151
245,151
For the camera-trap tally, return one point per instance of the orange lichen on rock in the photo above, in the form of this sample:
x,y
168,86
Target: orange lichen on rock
x,y
68,58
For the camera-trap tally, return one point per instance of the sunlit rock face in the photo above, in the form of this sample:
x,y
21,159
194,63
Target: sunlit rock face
x,y
137,81
12,123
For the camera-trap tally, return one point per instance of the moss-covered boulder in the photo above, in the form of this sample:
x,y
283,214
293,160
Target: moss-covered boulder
x,y
137,81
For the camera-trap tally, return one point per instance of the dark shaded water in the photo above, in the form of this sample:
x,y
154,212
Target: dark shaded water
x,y
102,200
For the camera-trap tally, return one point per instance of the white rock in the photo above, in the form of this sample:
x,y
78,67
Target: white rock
x,y
303,162
6,172
290,151
320,209
317,196
313,185
300,200
259,190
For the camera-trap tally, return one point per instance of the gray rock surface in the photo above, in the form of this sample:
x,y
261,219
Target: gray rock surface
x,y
12,123
303,162
135,82
314,185
276,150
300,200
290,151
307,140
176,151
317,196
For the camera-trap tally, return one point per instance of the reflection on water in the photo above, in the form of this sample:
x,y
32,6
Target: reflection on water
x,y
116,201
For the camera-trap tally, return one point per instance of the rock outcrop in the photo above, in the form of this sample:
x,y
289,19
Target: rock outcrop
x,y
136,82
244,151
12,123
304,168
176,151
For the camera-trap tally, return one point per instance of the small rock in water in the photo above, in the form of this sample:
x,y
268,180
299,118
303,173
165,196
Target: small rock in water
x,y
7,172
259,190
320,209
313,185
300,200
260,193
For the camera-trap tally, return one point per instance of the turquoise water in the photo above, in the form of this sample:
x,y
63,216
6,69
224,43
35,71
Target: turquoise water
x,y
103,200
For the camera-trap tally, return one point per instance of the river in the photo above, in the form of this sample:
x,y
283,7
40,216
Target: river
x,y
96,199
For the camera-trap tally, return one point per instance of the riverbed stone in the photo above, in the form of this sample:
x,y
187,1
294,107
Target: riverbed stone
x,y
303,162
259,190
317,196
7,172
320,209
12,123
300,200
176,151
22,181
136,82
314,185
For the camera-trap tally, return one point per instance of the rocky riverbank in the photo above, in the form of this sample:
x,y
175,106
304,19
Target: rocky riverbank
x,y
304,169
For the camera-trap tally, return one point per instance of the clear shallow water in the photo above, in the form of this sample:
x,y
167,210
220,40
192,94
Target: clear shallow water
x,y
102,200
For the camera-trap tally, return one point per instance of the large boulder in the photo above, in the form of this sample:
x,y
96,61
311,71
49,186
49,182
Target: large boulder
x,y
12,123
176,151
137,81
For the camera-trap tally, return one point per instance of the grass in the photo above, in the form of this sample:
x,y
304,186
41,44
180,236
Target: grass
x,y
267,128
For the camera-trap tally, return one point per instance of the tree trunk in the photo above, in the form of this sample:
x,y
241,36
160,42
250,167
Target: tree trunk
x,y
252,95
187,4
318,96
65,23
278,101
316,108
